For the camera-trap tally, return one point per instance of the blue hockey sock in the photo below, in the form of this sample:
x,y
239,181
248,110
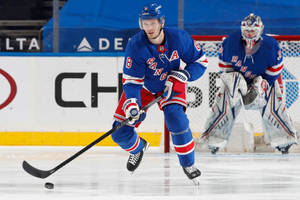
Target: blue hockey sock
x,y
128,139
182,138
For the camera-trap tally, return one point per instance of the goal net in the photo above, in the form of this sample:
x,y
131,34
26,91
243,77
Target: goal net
x,y
201,96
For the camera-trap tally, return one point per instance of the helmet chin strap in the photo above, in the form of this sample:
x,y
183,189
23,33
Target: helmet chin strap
x,y
161,28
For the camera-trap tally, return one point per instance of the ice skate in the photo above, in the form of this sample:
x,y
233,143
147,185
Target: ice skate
x,y
285,149
214,150
134,160
192,173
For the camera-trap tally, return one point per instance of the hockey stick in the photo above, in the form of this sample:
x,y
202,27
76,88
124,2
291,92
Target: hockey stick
x,y
45,173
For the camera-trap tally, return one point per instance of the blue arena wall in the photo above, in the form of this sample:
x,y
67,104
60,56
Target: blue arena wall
x,y
108,25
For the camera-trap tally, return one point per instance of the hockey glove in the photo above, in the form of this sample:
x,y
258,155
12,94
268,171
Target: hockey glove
x,y
132,109
255,98
176,83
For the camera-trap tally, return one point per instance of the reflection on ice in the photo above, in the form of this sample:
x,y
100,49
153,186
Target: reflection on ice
x,y
101,174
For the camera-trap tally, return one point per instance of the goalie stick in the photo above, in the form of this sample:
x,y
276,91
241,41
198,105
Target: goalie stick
x,y
45,173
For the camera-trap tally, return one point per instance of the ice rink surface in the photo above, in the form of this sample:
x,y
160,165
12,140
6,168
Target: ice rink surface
x,y
101,174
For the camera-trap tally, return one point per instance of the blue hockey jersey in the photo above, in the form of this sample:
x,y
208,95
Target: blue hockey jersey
x,y
148,65
266,61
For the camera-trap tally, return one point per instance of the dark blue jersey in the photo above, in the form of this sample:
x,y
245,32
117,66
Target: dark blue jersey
x,y
148,65
265,61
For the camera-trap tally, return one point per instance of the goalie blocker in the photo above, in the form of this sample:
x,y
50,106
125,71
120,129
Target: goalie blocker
x,y
279,128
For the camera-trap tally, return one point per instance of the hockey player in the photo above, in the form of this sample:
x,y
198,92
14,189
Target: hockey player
x,y
250,63
151,68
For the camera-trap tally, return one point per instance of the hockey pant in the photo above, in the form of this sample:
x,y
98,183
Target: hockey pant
x,y
279,128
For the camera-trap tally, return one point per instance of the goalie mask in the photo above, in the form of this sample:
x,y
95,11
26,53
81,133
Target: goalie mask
x,y
252,29
151,11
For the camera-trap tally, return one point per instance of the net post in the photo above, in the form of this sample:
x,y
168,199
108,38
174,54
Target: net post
x,y
166,139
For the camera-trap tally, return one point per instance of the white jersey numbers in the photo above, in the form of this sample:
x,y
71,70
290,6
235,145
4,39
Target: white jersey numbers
x,y
128,62
197,45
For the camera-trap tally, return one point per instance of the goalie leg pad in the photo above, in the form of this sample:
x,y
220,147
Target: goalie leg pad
x,y
178,124
235,84
219,125
279,127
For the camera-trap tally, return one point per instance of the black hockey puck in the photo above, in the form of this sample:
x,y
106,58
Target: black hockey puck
x,y
49,185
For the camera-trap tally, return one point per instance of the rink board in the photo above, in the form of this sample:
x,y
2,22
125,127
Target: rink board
x,y
69,100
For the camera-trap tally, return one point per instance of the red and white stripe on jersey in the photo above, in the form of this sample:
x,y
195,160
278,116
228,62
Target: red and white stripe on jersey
x,y
131,79
175,99
128,103
185,148
136,144
202,60
119,117
225,66
274,70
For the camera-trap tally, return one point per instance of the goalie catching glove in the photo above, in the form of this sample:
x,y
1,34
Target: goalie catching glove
x,y
132,109
176,83
255,98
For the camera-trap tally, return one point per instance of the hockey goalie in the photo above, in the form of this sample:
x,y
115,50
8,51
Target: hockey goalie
x,y
250,64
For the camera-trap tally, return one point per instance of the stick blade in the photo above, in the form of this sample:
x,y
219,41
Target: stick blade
x,y
34,171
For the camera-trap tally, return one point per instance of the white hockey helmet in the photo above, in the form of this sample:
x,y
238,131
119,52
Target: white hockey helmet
x,y
252,28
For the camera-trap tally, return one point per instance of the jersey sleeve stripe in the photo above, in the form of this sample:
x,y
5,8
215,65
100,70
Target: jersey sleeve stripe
x,y
119,117
203,61
225,67
275,68
125,76
224,64
126,81
130,79
274,72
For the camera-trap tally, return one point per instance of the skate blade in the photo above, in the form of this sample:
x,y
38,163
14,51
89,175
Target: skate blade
x,y
196,181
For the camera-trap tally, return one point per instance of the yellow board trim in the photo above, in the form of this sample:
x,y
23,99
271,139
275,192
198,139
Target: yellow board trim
x,y
197,134
66,138
73,138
